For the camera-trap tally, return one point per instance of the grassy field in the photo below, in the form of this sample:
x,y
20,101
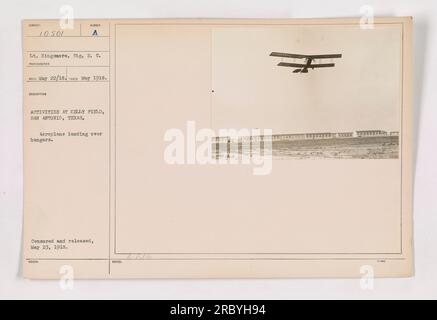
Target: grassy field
x,y
350,148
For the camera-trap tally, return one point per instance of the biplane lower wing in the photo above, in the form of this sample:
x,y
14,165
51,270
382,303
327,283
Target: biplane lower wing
x,y
310,66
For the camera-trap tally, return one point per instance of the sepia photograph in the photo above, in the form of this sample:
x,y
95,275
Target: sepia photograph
x,y
329,92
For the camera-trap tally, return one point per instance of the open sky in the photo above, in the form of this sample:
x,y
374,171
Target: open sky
x,y
363,90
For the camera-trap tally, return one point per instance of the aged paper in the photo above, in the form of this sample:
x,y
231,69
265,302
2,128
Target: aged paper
x,y
213,148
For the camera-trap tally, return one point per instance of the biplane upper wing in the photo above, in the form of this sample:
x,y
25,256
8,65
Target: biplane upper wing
x,y
288,55
304,56
325,56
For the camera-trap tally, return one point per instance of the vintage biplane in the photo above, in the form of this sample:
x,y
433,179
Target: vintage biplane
x,y
309,59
